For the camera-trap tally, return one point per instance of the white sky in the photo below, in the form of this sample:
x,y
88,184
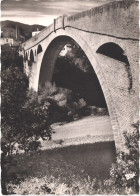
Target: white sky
x,y
43,11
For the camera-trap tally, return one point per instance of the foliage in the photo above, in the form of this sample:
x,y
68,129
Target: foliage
x,y
57,100
125,173
50,185
10,57
79,59
64,105
14,86
24,119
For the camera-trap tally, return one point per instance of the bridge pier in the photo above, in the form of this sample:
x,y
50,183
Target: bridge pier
x,y
26,67
33,73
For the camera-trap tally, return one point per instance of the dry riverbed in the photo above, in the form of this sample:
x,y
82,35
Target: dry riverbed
x,y
90,129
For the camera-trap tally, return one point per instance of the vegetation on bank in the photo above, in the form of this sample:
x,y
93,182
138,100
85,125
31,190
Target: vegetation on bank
x,y
24,119
27,117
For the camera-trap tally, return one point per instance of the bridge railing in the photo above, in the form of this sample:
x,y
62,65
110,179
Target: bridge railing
x,y
99,20
57,24
38,38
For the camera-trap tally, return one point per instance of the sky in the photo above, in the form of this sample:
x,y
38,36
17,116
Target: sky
x,y
44,11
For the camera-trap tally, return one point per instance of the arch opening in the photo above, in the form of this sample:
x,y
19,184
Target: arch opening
x,y
73,71
31,60
26,56
39,49
62,67
114,51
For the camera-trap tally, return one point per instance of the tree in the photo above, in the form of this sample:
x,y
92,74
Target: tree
x,y
24,118
10,56
77,57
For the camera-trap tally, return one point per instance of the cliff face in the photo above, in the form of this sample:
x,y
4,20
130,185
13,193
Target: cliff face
x,y
25,31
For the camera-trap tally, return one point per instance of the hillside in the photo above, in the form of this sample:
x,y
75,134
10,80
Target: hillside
x,y
9,29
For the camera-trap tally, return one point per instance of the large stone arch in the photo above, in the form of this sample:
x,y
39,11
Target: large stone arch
x,y
46,71
90,31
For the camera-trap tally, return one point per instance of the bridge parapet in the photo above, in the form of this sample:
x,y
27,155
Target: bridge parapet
x,y
118,19
38,38
110,19
59,23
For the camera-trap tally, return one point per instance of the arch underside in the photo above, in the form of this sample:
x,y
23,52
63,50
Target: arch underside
x,y
50,57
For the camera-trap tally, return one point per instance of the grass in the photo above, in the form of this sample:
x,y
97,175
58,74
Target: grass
x,y
66,165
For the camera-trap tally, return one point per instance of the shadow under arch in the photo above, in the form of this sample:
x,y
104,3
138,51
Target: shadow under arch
x,y
39,49
47,68
31,59
50,56
26,56
31,56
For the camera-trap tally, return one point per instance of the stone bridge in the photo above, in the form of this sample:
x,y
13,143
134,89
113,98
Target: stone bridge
x,y
109,37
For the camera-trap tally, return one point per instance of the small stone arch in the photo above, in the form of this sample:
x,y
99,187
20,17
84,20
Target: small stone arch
x,y
26,56
31,60
31,56
114,51
39,49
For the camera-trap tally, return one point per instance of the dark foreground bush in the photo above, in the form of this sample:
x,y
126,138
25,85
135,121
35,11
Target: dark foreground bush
x,y
125,172
24,120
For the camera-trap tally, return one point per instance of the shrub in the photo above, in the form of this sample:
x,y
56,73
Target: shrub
x,y
128,164
57,102
63,103
125,172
